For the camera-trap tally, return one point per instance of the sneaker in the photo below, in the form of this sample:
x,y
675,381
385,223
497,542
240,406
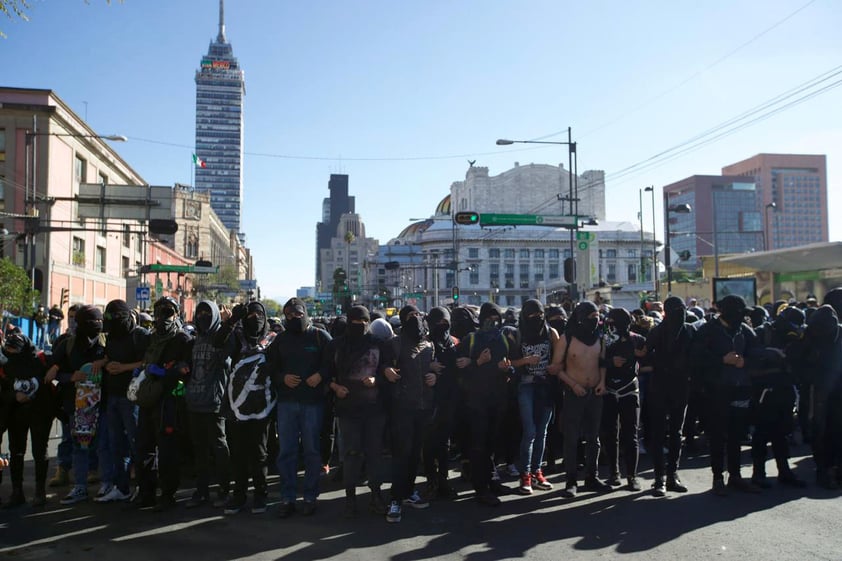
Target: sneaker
x,y
376,505
614,480
596,485
416,501
525,487
634,485
77,494
761,481
675,485
742,485
719,488
658,488
394,513
540,482
114,495
235,504
488,498
286,509
258,505
308,508
512,471
570,492
197,499
104,489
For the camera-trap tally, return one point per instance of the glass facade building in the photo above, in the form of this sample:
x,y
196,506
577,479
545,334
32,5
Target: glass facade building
x,y
220,89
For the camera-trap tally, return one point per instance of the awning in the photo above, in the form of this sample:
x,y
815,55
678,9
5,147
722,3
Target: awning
x,y
812,257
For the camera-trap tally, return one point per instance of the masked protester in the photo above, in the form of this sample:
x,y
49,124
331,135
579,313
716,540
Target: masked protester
x,y
64,455
531,360
446,400
297,365
25,405
204,394
125,346
406,365
621,403
822,357
356,384
724,349
167,361
773,397
485,369
69,356
582,370
668,346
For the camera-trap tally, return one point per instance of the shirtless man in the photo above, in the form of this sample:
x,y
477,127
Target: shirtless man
x,y
582,370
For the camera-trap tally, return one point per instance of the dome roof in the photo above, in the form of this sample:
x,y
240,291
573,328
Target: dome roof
x,y
415,228
444,206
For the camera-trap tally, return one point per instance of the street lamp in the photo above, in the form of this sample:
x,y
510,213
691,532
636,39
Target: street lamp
x,y
573,192
651,189
677,209
766,238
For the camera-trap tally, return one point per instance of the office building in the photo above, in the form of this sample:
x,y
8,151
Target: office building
x,y
333,208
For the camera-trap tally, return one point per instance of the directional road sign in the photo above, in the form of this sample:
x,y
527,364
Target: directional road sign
x,y
554,220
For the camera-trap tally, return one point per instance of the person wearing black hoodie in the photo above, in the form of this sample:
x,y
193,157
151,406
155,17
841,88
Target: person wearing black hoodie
x,y
724,349
296,363
668,348
249,401
446,399
485,368
204,393
125,347
26,406
407,366
356,382
582,370
166,362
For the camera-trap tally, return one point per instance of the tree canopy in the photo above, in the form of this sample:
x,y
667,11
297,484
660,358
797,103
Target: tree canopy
x,y
16,293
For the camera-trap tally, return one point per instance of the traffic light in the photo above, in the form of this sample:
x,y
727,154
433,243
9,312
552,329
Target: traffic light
x,y
466,218
454,293
65,297
570,270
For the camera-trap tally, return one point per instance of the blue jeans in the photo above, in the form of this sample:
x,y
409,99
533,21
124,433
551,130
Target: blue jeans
x,y
121,418
64,455
536,411
299,422
90,458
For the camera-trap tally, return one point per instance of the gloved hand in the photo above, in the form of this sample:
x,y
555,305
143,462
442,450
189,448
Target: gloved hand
x,y
238,313
155,370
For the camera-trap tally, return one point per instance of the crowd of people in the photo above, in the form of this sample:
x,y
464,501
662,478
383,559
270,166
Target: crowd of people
x,y
140,395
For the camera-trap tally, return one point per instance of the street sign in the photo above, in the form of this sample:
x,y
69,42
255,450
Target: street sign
x,y
248,284
583,245
553,220
159,288
583,236
143,294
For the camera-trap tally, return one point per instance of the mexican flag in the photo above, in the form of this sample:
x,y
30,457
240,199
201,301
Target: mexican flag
x,y
199,162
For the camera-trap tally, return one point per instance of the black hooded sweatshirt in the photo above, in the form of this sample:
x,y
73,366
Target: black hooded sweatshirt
x,y
412,356
204,389
445,353
126,343
486,386
668,345
27,369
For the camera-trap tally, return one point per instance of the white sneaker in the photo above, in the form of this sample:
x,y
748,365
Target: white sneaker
x,y
77,494
114,495
104,489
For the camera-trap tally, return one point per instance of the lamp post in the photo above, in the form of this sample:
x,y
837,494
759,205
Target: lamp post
x,y
678,209
767,239
573,191
655,279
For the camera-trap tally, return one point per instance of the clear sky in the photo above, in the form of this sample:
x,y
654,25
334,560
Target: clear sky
x,y
399,95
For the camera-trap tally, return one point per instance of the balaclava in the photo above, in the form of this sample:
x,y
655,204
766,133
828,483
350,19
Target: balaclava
x,y
788,326
732,309
296,325
490,316
556,318
411,326
676,313
255,327
117,319
338,327
581,326
462,322
356,331
88,324
165,312
822,325
532,329
620,319
758,316
834,299
206,318
438,321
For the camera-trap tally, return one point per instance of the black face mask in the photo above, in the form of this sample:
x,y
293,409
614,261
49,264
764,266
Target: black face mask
x,y
589,324
534,324
89,331
295,325
117,324
558,324
203,321
356,330
621,326
413,328
253,326
489,324
439,331
733,317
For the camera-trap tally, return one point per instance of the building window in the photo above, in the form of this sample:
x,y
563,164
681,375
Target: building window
x,y
126,266
474,277
524,276
612,273
632,253
554,271
473,253
494,253
510,275
103,179
509,253
524,254
2,145
80,169
538,253
567,254
553,254
127,235
494,275
632,272
78,255
100,259
611,253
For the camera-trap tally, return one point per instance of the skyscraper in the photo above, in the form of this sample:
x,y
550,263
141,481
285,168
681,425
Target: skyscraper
x,y
220,89
792,198
333,208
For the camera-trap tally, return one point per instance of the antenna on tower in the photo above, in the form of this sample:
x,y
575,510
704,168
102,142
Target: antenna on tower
x,y
221,37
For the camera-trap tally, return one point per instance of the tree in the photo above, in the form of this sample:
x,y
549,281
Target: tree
x,y
16,293
13,9
273,308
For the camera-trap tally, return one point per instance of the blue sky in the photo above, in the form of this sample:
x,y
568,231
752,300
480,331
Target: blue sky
x,y
420,87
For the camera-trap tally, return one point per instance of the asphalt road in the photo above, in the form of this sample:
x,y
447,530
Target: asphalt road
x,y
779,524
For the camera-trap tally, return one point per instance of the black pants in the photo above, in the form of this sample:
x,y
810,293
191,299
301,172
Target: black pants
x,y
582,417
435,445
24,422
207,435
158,452
247,441
409,429
825,429
620,417
484,424
727,426
666,418
362,443
773,422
